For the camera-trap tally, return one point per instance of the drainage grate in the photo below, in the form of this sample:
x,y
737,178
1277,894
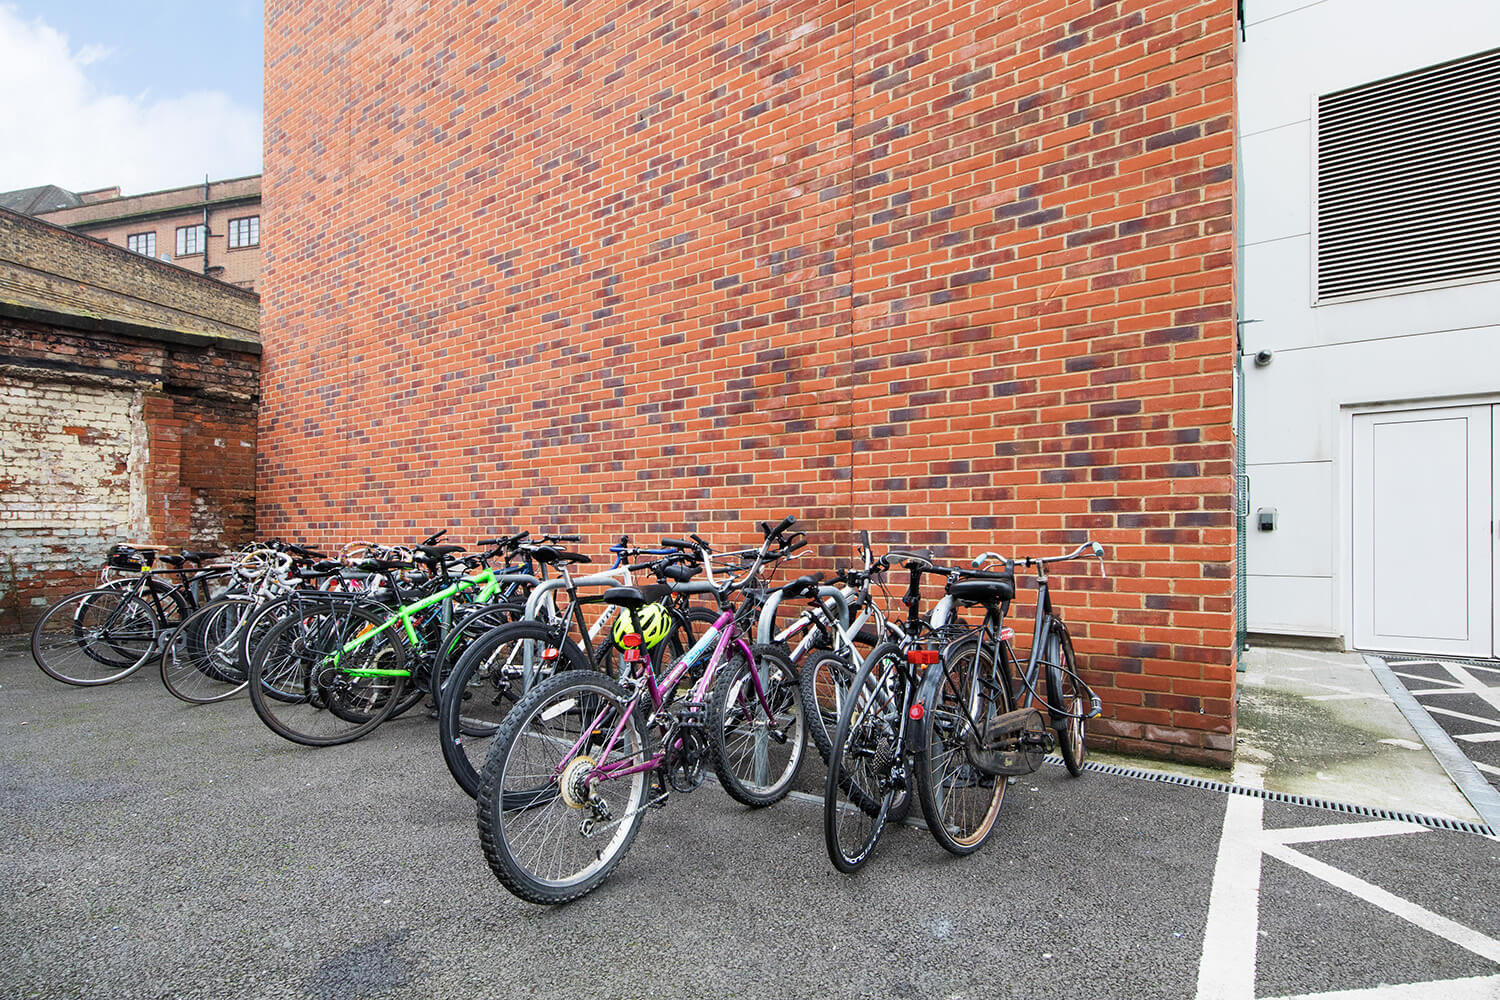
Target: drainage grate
x,y
1435,822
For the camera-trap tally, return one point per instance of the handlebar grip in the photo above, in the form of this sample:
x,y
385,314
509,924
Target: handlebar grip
x,y
640,567
786,522
765,528
432,538
704,545
677,543
797,544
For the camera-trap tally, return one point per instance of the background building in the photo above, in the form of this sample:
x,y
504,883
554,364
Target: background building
x,y
128,391
1371,249
962,276
211,228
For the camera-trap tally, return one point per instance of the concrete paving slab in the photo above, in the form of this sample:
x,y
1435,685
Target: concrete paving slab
x,y
1319,724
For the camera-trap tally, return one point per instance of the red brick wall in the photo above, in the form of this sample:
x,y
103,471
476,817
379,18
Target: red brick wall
x,y
958,273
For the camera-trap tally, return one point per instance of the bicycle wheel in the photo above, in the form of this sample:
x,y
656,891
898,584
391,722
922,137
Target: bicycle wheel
x,y
485,684
307,689
200,664
862,783
551,827
757,753
95,637
466,628
1065,701
960,801
826,678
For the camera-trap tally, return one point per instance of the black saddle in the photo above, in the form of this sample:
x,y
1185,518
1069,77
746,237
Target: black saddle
x,y
436,553
631,598
550,555
991,590
803,586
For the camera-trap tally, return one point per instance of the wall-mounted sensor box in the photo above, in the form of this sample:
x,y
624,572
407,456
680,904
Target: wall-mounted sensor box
x,y
1265,519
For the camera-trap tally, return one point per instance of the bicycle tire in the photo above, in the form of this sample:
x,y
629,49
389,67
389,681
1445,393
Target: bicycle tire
x,y
959,801
465,629
95,637
293,657
512,816
859,782
1066,706
482,689
199,664
744,740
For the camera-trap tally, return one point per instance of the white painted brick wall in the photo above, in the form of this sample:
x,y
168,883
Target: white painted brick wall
x,y
65,475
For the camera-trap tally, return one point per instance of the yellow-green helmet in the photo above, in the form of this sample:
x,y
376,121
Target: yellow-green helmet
x,y
654,624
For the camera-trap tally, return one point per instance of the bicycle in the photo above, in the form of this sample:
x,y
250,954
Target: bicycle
x,y
336,667
941,710
502,664
582,756
103,635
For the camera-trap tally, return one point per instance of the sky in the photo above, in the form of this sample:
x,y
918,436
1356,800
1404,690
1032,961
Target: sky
x,y
145,95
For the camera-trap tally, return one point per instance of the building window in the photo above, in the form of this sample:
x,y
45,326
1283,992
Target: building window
x,y
189,240
244,232
1408,181
143,243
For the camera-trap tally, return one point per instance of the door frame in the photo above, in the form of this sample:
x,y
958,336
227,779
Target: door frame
x,y
1343,475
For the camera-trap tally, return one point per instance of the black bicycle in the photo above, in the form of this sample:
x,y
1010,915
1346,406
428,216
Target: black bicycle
x,y
951,714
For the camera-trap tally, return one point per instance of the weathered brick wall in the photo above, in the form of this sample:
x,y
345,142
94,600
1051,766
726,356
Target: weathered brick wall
x,y
107,438
958,273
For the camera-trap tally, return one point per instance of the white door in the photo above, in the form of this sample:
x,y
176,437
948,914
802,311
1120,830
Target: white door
x,y
1424,561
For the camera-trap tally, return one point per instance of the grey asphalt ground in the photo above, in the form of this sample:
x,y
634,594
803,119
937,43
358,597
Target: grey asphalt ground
x,y
155,849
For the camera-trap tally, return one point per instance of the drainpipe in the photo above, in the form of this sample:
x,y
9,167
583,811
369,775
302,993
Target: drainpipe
x,y
205,225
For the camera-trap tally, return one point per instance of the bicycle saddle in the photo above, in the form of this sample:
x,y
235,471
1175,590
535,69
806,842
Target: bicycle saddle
x,y
170,560
803,586
549,554
199,557
986,591
435,553
634,597
681,572
921,557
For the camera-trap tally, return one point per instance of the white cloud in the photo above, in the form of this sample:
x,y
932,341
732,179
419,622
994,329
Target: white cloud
x,y
59,128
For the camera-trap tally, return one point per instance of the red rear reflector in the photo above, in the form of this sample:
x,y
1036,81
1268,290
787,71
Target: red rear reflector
x,y
634,655
1007,634
550,653
916,712
631,641
923,656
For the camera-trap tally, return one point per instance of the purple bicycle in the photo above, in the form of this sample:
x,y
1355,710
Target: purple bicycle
x,y
582,756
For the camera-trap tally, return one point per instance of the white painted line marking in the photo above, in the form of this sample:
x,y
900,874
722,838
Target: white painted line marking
x,y
1459,715
1227,969
1348,697
1434,923
1342,831
1488,769
1472,988
1479,737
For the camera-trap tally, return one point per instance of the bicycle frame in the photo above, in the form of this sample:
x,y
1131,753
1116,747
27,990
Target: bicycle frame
x,y
488,582
721,635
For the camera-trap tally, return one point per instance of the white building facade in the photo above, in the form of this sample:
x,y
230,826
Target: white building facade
x,y
1370,309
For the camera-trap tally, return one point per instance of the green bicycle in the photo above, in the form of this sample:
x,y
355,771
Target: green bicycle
x,y
337,669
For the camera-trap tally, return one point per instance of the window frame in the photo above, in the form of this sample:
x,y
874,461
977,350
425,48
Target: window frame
x,y
149,235
251,226
200,240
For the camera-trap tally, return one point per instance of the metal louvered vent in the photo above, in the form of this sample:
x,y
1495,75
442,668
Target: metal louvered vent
x,y
1408,186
